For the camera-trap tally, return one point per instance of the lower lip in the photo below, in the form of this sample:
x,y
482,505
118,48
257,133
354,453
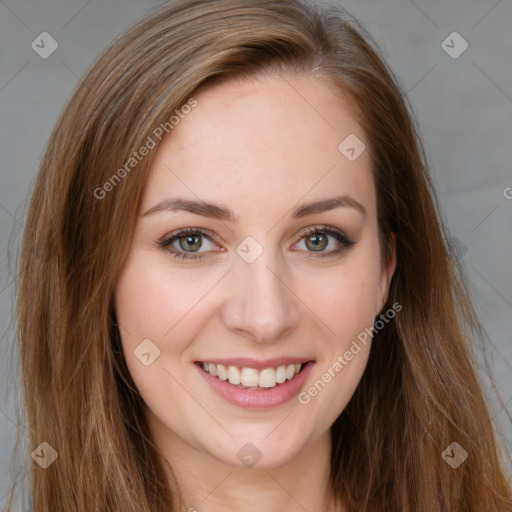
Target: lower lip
x,y
253,399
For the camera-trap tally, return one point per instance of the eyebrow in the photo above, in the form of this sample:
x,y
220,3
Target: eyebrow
x,y
217,211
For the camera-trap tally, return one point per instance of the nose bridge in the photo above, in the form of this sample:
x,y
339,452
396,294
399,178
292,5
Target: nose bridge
x,y
261,304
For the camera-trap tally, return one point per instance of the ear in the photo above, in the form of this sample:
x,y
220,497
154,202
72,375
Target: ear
x,y
387,271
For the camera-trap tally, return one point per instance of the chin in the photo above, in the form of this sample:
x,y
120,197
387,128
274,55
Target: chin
x,y
259,450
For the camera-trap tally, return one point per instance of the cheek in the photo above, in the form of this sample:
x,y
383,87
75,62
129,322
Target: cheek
x,y
346,299
150,305
168,307
152,302
345,302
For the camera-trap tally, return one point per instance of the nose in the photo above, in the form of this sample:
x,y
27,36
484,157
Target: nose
x,y
261,305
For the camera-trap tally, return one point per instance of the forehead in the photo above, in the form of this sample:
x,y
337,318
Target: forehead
x,y
255,141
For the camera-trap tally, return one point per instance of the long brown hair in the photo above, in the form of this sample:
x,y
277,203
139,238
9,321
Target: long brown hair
x,y
419,392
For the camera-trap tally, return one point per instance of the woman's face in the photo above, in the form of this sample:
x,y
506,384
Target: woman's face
x,y
264,280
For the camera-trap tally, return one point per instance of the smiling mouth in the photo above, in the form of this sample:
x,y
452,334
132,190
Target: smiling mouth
x,y
251,378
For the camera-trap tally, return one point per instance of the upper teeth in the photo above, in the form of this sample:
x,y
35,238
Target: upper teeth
x,y
250,377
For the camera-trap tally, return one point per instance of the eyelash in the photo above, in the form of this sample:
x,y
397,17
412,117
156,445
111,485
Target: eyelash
x,y
344,241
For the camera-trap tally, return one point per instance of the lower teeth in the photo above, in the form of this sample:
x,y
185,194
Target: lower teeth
x,y
253,388
257,388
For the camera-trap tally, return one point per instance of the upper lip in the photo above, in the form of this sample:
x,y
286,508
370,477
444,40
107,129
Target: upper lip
x,y
258,364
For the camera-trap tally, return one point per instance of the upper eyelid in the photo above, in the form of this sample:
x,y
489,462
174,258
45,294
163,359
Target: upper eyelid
x,y
193,231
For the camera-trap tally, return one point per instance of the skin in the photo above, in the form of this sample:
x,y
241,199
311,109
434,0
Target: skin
x,y
260,147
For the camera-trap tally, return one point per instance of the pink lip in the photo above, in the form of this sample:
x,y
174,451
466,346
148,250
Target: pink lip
x,y
247,362
253,399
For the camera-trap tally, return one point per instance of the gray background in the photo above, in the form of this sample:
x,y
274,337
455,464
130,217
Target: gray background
x,y
464,107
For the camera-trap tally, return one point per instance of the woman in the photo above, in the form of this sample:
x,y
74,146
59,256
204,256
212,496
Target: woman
x,y
235,290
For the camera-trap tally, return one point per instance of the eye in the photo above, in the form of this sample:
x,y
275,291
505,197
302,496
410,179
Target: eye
x,y
186,243
187,240
317,239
